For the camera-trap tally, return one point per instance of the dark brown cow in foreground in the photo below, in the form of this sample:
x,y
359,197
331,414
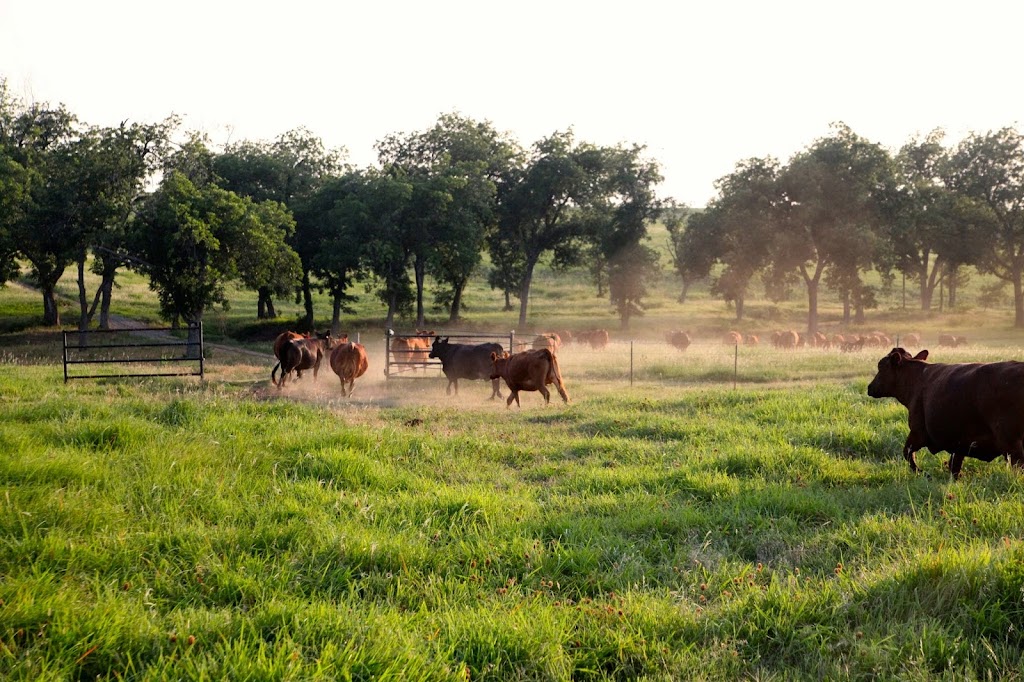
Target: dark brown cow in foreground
x,y
530,370
969,410
349,362
300,354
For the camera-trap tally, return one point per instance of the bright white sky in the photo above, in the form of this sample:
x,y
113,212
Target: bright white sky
x,y
701,84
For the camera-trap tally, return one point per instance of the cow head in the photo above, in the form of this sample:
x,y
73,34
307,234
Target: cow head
x,y
439,347
499,362
890,379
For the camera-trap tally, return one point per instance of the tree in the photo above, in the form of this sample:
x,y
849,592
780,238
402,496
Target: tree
x,y
828,212
453,168
114,166
693,247
265,261
925,237
47,232
988,172
540,204
621,211
288,170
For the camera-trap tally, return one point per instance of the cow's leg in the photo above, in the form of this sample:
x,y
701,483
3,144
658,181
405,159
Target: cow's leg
x,y
956,463
495,388
456,383
351,385
546,393
448,389
342,386
909,448
514,395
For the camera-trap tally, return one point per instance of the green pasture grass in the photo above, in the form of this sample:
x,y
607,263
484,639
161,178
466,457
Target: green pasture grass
x,y
676,529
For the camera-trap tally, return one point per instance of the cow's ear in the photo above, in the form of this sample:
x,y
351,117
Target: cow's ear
x,y
895,357
494,356
923,355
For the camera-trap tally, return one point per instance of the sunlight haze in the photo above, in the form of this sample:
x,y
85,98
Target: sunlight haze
x,y
701,86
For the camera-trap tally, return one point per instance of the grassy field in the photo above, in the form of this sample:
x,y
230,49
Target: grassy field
x,y
675,528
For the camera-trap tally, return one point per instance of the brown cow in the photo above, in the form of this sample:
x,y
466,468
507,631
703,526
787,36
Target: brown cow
x,y
300,354
732,338
565,336
751,340
947,340
410,352
548,340
679,339
349,362
531,370
597,338
789,339
969,410
912,340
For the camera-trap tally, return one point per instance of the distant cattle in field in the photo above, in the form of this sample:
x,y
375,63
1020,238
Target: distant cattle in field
x,y
566,336
837,340
911,340
466,361
531,370
548,340
679,339
947,340
776,339
751,340
969,410
820,340
852,344
597,338
732,338
410,352
788,339
301,354
349,362
961,341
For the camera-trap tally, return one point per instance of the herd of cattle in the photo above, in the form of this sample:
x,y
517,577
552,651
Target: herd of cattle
x,y
969,409
531,369
789,339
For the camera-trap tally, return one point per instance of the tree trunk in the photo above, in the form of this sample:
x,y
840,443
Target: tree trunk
x,y
307,299
192,350
812,306
389,321
106,292
524,289
83,297
846,307
684,292
1018,299
271,311
336,315
455,314
508,300
261,308
419,267
953,271
858,314
739,308
51,315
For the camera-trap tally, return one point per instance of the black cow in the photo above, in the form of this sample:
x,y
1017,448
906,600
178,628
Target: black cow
x,y
969,410
466,361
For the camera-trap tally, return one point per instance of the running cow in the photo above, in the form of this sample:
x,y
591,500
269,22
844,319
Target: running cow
x,y
349,362
530,370
301,354
969,410
466,361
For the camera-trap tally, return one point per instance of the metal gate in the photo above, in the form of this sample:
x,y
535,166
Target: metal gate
x,y
119,348
410,360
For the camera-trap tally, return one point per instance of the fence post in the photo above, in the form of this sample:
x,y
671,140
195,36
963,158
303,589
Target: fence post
x,y
735,365
202,352
65,353
388,333
512,341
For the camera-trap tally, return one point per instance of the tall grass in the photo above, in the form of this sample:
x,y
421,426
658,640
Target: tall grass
x,y
170,530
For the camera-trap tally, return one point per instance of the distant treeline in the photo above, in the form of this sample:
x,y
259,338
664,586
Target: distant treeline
x,y
291,216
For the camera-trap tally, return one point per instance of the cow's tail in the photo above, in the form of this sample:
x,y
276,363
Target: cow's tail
x,y
555,375
273,375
